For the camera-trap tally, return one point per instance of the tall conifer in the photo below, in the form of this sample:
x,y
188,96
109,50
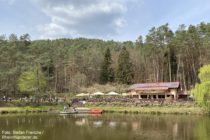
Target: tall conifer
x,y
107,73
125,73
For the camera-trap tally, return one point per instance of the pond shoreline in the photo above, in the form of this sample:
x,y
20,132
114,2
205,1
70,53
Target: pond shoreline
x,y
27,109
111,109
153,110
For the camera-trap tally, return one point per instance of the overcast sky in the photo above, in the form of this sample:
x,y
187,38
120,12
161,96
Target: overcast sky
x,y
119,20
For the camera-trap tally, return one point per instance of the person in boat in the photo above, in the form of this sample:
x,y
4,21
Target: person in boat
x,y
70,105
74,109
65,107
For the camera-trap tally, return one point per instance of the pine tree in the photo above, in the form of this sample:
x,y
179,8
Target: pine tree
x,y
107,73
125,73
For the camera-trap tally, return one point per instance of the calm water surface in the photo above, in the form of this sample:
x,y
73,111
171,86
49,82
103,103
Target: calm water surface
x,y
106,127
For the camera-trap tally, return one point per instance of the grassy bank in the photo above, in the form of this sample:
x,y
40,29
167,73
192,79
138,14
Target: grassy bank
x,y
111,109
29,109
152,110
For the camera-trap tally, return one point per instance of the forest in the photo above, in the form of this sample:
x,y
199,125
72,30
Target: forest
x,y
67,65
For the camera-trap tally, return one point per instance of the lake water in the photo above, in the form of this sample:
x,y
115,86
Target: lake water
x,y
105,127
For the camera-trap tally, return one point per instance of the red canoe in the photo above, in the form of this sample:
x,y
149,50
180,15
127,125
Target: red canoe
x,y
95,111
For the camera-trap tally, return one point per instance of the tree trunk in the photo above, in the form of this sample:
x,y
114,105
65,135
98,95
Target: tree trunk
x,y
56,78
169,66
183,76
65,78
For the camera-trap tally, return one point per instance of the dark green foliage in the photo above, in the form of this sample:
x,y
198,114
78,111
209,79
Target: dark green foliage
x,y
125,71
107,72
173,64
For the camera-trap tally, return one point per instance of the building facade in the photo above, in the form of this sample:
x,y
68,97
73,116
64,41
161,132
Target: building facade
x,y
163,90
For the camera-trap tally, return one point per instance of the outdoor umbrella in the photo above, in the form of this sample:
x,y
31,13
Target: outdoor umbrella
x,y
82,94
112,93
97,94
125,94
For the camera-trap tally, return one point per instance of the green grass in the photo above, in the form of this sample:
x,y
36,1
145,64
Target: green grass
x,y
26,109
109,108
152,110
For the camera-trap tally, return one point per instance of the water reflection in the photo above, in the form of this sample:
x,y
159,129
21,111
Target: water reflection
x,y
98,123
124,124
81,122
111,126
135,126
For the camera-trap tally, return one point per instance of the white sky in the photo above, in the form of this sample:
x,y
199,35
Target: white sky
x,y
119,20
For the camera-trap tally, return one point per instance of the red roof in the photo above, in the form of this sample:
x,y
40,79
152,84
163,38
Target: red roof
x,y
155,86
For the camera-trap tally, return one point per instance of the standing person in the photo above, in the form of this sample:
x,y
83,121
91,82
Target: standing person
x,y
74,109
65,108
